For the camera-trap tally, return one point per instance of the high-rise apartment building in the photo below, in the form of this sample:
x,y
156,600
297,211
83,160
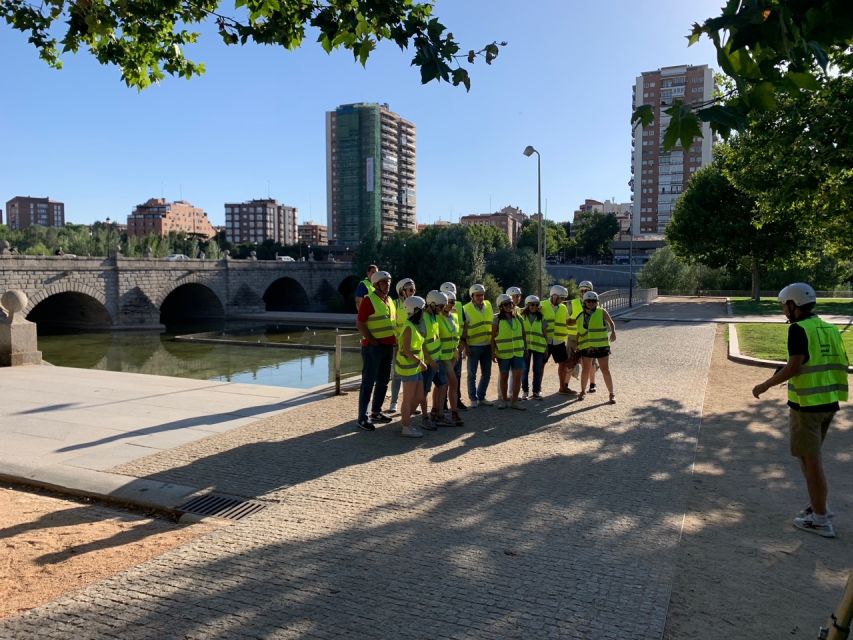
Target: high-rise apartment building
x,y
659,176
24,211
258,220
370,173
160,218
313,234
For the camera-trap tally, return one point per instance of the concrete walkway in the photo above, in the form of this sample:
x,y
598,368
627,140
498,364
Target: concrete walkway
x,y
561,521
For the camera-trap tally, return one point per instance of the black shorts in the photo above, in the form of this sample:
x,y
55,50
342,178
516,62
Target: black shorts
x,y
558,352
596,352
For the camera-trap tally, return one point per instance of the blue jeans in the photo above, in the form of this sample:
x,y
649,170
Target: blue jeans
x,y
375,373
538,360
481,355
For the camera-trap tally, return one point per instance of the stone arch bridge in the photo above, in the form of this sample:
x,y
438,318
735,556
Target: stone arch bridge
x,y
146,293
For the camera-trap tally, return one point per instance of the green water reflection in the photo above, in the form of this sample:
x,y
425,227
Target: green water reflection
x,y
160,354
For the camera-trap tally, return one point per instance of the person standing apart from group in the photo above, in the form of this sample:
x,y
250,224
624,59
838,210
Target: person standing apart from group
x,y
816,373
447,288
405,289
575,309
376,322
365,286
449,331
508,350
594,342
409,364
556,316
477,344
535,328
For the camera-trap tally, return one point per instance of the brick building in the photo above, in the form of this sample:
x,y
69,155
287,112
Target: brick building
x,y
160,218
508,220
313,234
254,221
25,211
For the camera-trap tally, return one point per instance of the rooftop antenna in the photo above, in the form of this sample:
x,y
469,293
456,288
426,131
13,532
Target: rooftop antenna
x,y
268,189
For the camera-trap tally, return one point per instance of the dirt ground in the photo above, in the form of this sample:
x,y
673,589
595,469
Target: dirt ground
x,y
52,545
742,571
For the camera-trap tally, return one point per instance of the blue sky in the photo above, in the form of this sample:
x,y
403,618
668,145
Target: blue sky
x,y
254,124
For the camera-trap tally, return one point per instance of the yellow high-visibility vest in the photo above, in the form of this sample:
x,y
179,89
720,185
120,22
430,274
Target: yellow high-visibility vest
x,y
823,379
448,332
479,323
382,322
594,334
404,366
556,318
576,310
432,338
534,334
510,339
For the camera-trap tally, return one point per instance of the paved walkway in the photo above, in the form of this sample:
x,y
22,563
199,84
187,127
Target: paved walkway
x,y
557,522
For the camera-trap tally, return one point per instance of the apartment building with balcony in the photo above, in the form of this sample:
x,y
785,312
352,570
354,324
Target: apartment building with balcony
x,y
371,174
255,221
160,217
658,176
26,211
508,220
313,234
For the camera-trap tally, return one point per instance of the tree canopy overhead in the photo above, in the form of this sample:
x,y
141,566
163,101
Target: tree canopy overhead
x,y
146,40
770,49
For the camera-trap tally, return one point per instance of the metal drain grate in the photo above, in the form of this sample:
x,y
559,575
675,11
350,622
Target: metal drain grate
x,y
221,507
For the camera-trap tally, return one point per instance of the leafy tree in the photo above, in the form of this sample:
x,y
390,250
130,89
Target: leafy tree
x,y
772,50
555,237
714,224
145,40
517,268
594,233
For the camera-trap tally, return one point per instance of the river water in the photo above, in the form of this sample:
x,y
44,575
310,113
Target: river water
x,y
161,354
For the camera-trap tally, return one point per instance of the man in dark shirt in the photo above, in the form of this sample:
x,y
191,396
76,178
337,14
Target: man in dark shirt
x,y
364,287
813,395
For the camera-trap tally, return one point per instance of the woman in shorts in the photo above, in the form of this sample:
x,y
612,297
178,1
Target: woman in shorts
x,y
409,364
594,342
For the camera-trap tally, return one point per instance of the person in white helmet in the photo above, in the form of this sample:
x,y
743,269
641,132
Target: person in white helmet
x,y
575,310
508,349
556,314
477,344
535,330
377,324
435,377
515,294
459,315
405,289
449,331
409,364
816,373
594,342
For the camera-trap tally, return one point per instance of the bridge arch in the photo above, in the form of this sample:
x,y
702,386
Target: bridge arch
x,y
190,302
347,289
68,306
286,294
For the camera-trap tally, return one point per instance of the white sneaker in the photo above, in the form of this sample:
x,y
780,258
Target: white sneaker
x,y
501,404
486,403
517,405
807,511
392,408
411,432
524,395
808,523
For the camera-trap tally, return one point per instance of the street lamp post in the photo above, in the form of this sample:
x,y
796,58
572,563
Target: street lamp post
x,y
529,151
109,235
631,261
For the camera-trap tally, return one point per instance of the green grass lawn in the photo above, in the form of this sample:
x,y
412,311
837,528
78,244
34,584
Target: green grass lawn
x,y
770,307
770,341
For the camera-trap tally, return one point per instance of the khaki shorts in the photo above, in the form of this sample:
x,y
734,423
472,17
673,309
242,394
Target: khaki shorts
x,y
808,431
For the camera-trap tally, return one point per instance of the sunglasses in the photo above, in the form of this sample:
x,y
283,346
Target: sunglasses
x,y
408,288
532,304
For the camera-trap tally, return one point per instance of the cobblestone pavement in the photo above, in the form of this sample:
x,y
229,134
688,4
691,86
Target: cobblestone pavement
x,y
560,521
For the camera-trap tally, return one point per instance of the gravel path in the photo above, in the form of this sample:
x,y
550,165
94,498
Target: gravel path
x,y
561,521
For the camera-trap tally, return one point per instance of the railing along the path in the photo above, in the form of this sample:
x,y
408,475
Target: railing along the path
x,y
338,359
618,299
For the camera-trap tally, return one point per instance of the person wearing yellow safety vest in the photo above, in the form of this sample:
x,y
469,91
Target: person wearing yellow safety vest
x,y
365,286
508,351
816,373
593,326
477,344
515,294
377,324
409,364
575,309
556,314
405,289
435,377
449,332
447,288
535,327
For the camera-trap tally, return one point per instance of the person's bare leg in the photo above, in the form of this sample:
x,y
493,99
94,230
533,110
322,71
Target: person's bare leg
x,y
452,386
504,378
604,363
516,383
586,363
816,484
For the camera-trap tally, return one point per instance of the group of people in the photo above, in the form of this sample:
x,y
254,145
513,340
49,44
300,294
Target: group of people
x,y
423,342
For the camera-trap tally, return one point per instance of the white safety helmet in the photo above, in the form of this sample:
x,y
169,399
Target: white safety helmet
x,y
477,288
402,284
502,299
513,291
380,275
448,287
559,290
799,293
451,297
531,300
585,284
437,298
413,304
590,295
